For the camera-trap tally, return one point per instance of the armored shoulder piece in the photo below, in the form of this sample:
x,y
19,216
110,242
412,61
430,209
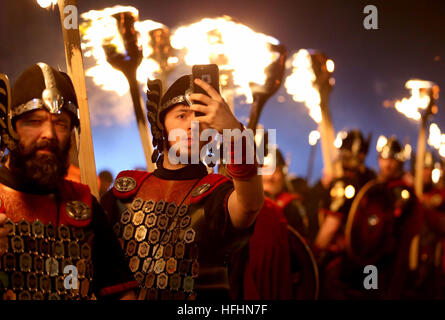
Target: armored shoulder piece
x,y
128,183
206,186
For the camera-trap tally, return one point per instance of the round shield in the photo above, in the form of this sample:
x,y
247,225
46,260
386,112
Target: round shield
x,y
372,222
304,270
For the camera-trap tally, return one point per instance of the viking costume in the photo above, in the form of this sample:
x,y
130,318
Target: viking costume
x,y
174,225
382,223
291,203
57,232
428,280
277,264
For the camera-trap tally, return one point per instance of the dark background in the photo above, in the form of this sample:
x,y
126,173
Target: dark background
x,y
371,65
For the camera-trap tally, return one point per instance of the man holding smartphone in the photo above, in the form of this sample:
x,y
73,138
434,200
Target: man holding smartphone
x,y
179,225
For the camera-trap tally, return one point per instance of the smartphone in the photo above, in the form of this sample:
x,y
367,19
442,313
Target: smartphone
x,y
208,73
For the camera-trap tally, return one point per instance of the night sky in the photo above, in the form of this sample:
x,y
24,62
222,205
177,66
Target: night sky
x,y
371,65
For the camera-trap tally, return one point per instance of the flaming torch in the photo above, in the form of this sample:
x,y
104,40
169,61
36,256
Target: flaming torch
x,y
73,54
241,54
275,73
163,53
310,82
47,3
436,139
423,98
110,32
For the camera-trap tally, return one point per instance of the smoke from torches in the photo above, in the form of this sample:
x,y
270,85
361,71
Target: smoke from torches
x,y
100,29
234,47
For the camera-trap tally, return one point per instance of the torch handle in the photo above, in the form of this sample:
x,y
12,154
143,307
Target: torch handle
x,y
326,149
421,141
75,68
141,119
259,101
420,159
310,166
327,135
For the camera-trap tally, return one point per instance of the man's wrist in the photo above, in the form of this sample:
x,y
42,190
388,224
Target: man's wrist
x,y
243,170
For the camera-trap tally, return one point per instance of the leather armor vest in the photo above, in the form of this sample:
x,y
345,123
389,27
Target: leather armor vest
x,y
43,240
164,233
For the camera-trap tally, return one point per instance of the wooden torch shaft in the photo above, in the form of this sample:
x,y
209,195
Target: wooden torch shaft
x,y
326,149
75,68
420,159
255,112
141,120
326,136
310,166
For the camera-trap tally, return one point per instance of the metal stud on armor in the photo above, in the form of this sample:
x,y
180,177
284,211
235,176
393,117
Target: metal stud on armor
x,y
33,267
160,247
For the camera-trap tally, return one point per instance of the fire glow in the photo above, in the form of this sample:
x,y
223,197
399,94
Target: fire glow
x,y
314,136
436,139
419,100
46,3
234,47
341,135
301,83
99,29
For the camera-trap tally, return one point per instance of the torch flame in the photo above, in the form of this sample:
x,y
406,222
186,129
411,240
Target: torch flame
x,y
313,137
435,138
330,66
233,46
435,175
407,151
100,28
419,100
442,150
300,84
381,142
46,3
341,135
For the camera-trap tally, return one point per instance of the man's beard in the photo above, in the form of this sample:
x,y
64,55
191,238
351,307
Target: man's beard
x,y
43,171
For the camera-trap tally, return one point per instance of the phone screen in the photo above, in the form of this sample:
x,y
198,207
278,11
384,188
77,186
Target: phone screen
x,y
208,73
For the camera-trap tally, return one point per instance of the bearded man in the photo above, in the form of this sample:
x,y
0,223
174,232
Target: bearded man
x,y
55,242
